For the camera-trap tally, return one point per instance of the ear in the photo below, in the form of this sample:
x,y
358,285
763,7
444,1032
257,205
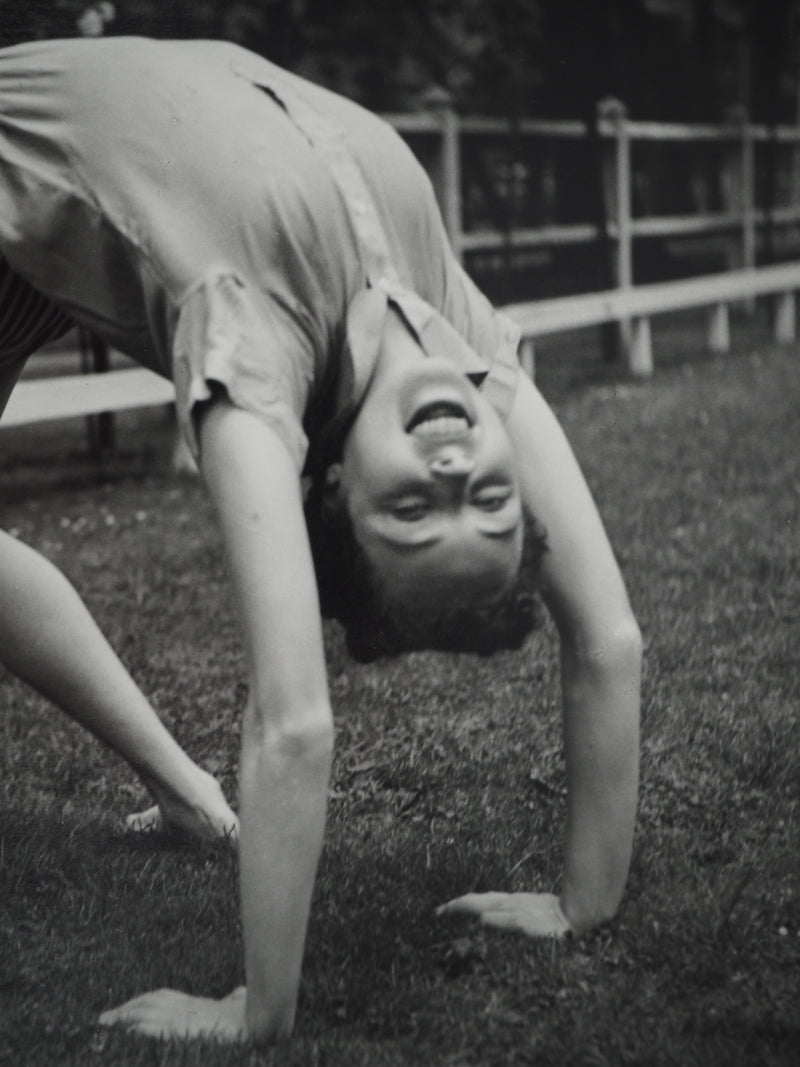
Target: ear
x,y
333,478
333,501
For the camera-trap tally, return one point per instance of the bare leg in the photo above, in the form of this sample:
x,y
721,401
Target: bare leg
x,y
49,640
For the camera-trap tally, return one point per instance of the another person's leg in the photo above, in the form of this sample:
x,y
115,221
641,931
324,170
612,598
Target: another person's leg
x,y
49,639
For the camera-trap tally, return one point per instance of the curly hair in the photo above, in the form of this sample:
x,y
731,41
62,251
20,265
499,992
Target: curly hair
x,y
350,590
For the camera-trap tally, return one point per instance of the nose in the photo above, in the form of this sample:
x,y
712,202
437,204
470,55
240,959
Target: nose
x,y
452,461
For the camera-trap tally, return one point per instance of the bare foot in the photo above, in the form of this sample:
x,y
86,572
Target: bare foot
x,y
209,818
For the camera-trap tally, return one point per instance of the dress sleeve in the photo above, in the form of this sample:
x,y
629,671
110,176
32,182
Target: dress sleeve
x,y
252,346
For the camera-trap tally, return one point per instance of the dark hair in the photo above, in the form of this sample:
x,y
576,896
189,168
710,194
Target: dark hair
x,y
350,591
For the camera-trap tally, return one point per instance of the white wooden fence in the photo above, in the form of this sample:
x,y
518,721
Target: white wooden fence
x,y
634,307
73,395
740,218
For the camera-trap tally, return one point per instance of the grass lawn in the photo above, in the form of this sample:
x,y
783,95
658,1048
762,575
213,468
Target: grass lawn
x,y
448,774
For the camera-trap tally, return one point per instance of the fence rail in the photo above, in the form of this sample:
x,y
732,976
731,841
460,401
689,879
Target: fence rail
x,y
634,308
75,395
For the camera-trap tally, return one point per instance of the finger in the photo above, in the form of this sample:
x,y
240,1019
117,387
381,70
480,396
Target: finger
x,y
155,1025
473,903
532,924
158,1028
137,1009
120,1017
142,822
126,1015
502,920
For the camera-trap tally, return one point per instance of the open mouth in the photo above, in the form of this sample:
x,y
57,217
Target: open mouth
x,y
440,416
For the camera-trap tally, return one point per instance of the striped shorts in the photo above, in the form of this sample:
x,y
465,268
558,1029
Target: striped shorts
x,y
28,319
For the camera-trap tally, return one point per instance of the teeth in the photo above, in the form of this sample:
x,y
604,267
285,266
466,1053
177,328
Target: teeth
x,y
436,412
441,426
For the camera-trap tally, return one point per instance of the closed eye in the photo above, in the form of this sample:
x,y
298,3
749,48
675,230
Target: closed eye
x,y
410,510
492,498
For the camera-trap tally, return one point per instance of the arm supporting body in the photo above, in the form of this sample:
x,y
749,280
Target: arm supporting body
x,y
600,664
288,731
601,741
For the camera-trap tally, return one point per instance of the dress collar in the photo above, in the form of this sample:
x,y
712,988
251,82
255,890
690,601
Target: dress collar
x,y
366,322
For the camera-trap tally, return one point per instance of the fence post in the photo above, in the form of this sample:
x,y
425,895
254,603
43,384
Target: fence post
x,y
784,326
617,188
640,349
95,359
739,193
619,218
719,332
748,204
623,219
447,170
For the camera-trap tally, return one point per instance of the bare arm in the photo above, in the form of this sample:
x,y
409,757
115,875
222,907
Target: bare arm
x,y
288,732
600,665
600,672
286,737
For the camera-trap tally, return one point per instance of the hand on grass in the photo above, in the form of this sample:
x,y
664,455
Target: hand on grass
x,y
167,1013
534,914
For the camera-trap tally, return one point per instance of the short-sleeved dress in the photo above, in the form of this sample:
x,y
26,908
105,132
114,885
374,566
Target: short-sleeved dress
x,y
215,217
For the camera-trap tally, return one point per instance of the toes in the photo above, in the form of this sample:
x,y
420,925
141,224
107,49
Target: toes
x,y
192,825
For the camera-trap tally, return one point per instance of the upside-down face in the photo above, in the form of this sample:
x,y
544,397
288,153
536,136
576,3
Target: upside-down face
x,y
429,479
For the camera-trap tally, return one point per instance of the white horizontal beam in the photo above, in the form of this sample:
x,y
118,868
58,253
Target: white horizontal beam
x,y
571,312
649,226
85,394
489,240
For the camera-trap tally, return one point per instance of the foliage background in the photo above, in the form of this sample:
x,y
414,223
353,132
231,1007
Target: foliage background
x,y
687,60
